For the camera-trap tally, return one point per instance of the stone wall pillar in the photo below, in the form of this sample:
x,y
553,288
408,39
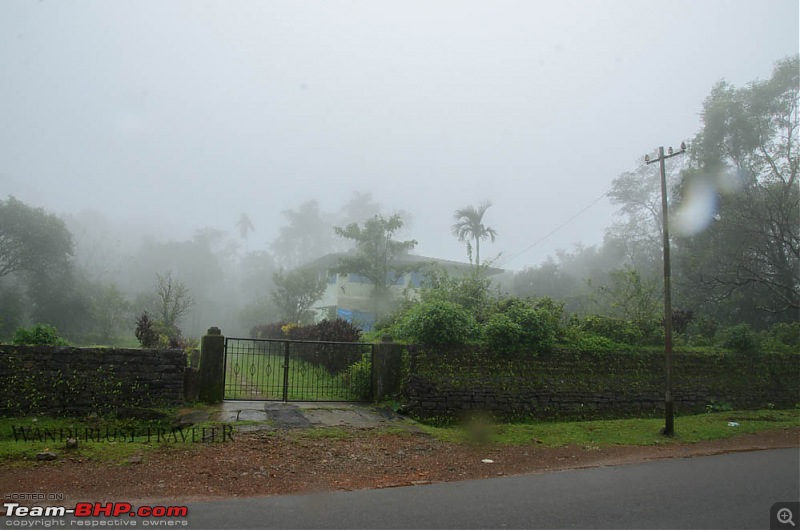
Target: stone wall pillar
x,y
212,373
387,361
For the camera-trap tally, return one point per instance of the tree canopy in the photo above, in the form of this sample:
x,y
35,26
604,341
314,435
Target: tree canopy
x,y
31,239
748,151
376,255
295,292
469,226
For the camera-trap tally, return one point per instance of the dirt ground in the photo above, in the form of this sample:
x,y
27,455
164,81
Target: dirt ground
x,y
283,462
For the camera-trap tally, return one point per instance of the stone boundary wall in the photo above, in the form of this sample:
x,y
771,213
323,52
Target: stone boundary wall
x,y
446,384
78,381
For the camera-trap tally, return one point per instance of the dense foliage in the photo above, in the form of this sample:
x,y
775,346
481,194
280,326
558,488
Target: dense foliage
x,y
38,335
336,330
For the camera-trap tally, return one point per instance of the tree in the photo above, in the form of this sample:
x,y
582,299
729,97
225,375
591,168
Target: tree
x,y
376,256
12,306
469,225
748,151
245,226
359,208
637,229
31,240
110,311
295,292
631,297
307,236
173,302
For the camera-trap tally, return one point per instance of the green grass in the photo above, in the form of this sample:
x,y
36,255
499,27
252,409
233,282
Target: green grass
x,y
307,382
688,429
22,438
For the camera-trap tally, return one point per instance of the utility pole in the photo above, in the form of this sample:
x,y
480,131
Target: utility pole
x,y
669,409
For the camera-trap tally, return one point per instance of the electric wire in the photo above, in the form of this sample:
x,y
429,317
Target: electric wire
x,y
553,231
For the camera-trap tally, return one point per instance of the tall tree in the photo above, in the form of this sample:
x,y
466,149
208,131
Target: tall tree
x,y
295,292
376,256
305,237
173,301
748,150
31,239
111,312
637,228
469,226
245,226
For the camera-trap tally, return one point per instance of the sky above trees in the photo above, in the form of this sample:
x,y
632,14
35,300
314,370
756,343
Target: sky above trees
x,y
171,116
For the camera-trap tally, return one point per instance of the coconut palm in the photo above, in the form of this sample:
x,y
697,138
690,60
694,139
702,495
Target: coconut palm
x,y
245,226
469,225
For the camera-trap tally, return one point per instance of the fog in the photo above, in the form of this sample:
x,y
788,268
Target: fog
x,y
184,114
160,118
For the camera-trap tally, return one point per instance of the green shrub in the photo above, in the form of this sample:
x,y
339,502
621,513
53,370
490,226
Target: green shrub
x,y
740,338
538,332
438,322
554,311
359,375
271,330
38,335
787,334
502,334
706,327
338,330
615,329
588,343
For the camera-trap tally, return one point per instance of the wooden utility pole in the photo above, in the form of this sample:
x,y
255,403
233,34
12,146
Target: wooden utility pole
x,y
669,407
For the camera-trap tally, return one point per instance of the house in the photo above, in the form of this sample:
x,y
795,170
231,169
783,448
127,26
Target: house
x,y
349,296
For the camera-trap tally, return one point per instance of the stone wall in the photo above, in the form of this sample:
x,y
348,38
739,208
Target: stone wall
x,y
446,384
77,381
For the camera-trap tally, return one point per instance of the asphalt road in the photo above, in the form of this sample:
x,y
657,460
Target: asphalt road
x,y
724,491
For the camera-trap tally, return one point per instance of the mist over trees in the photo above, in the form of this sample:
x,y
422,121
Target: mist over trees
x,y
735,224
734,214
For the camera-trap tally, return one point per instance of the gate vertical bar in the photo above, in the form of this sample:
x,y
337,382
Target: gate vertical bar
x,y
285,372
225,370
372,394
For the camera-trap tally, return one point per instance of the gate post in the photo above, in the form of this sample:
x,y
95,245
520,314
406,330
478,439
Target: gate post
x,y
212,366
386,368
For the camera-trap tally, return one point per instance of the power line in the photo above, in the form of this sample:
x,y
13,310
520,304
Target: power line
x,y
556,229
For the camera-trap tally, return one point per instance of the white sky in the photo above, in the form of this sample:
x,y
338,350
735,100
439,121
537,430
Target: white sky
x,y
184,114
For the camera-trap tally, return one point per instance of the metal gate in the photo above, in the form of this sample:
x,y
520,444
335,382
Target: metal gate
x,y
291,370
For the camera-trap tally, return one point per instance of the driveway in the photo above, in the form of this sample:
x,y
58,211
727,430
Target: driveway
x,y
267,415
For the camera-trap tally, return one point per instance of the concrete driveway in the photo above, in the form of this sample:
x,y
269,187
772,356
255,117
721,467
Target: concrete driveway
x,y
268,415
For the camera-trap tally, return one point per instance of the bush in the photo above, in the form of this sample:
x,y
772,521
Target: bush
x,y
538,332
146,332
438,322
359,374
681,318
615,329
271,330
554,311
300,332
740,338
707,327
38,335
588,343
786,334
338,330
502,334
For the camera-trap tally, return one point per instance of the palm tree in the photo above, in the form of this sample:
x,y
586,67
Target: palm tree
x,y
469,225
245,226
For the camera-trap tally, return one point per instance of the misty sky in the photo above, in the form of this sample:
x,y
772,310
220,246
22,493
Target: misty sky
x,y
177,115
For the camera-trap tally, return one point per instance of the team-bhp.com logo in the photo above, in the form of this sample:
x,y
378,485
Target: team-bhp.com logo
x,y
96,509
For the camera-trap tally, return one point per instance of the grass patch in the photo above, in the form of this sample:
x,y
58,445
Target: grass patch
x,y
98,439
261,377
689,429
